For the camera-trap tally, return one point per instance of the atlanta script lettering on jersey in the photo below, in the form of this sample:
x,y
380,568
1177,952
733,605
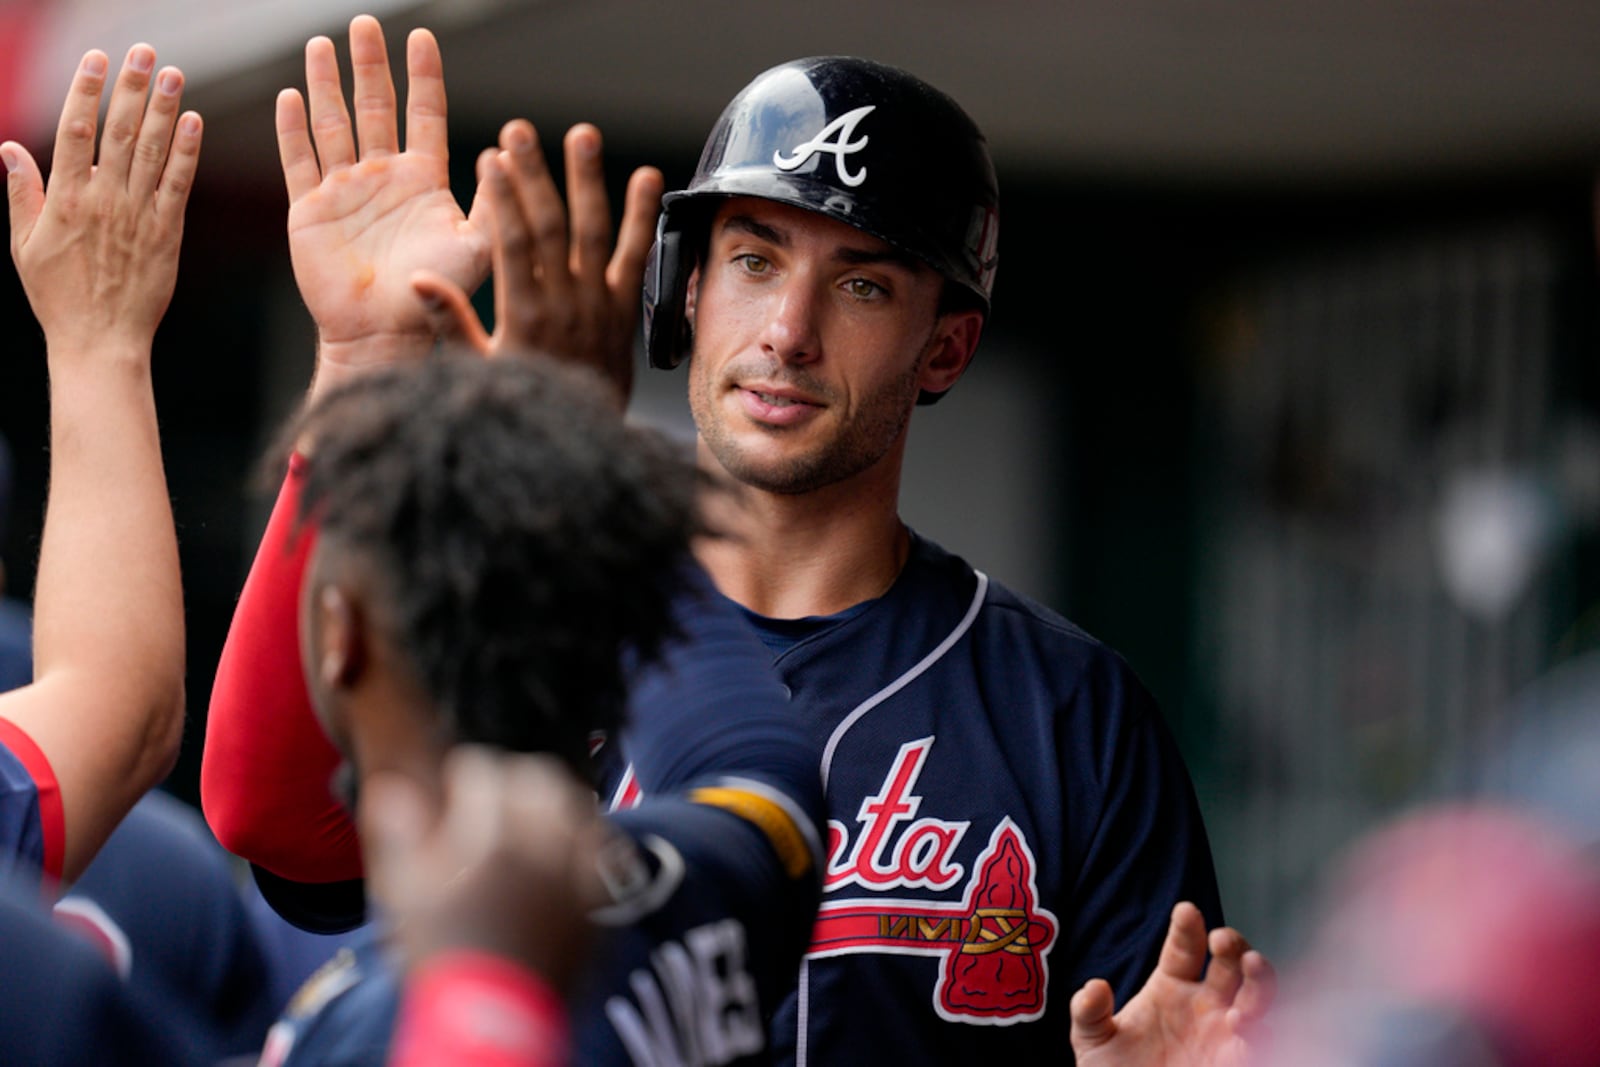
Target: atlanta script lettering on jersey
x,y
994,945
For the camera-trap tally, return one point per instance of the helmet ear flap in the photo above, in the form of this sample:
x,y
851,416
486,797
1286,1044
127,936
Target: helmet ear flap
x,y
666,287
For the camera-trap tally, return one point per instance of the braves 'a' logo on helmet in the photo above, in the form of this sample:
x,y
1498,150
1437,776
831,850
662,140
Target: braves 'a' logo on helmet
x,y
833,139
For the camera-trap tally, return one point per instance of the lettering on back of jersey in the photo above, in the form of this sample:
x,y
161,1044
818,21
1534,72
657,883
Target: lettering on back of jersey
x,y
695,1005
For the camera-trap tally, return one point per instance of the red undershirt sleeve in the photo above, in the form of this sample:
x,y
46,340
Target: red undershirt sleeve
x,y
473,1007
267,764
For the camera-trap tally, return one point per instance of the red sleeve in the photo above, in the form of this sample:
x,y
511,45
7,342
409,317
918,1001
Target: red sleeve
x,y
471,1007
267,764
52,820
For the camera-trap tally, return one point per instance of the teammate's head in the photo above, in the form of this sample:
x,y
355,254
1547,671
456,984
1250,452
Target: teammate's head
x,y
491,537
859,142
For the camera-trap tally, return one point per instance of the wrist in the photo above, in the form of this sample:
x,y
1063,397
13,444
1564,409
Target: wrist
x,y
465,1006
97,359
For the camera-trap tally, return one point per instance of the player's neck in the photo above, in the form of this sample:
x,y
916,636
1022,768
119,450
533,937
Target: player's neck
x,y
788,556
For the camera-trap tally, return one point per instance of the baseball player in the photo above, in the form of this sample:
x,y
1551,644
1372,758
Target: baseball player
x,y
97,252
463,506
1008,817
1004,799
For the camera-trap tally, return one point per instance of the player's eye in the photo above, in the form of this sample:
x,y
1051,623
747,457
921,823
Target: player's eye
x,y
865,289
753,264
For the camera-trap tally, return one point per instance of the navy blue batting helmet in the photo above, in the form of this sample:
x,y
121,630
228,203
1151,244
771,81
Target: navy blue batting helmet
x,y
866,144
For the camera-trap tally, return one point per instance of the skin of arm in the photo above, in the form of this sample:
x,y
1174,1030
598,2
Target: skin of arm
x,y
97,252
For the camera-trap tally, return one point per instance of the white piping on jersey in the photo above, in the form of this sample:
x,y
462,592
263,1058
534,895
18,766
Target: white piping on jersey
x,y
803,994
905,679
802,1013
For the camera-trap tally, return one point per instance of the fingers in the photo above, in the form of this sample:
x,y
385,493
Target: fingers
x,y
155,134
374,89
1225,973
395,818
426,129
330,120
453,314
124,112
301,173
586,198
73,159
24,191
173,194
1091,1010
541,205
516,291
642,206
1183,953
1255,996
474,818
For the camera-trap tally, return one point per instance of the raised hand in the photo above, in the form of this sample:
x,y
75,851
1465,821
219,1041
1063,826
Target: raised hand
x,y
364,215
508,861
561,287
1187,1014
98,250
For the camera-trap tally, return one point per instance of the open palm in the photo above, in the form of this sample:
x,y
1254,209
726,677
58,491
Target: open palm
x,y
365,216
1188,1014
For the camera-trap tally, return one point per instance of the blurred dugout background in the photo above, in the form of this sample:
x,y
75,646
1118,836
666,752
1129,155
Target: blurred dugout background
x,y
1290,391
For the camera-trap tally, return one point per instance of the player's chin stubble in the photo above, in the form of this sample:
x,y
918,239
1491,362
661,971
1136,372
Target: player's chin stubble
x,y
861,442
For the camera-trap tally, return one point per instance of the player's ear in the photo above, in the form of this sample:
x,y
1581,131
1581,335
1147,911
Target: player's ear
x,y
950,349
691,291
341,652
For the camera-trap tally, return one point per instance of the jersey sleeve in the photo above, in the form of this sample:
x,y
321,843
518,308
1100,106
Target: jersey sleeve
x,y
711,707
265,773
1148,849
32,824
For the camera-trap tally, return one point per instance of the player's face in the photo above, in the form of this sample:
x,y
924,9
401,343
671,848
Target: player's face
x,y
811,343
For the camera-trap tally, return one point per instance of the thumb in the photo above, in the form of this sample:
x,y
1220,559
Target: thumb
x,y
450,311
24,190
1092,1021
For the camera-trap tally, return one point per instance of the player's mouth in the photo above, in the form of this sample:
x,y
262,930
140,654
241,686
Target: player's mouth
x,y
776,406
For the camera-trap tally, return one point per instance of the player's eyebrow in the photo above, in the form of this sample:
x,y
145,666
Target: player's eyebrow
x,y
759,230
855,257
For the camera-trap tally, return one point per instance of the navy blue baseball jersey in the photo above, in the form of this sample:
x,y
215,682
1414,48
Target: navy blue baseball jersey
x,y
715,909
162,900
63,1005
32,829
1007,818
698,950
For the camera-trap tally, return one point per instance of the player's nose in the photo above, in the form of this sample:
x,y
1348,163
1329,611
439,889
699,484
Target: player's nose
x,y
789,331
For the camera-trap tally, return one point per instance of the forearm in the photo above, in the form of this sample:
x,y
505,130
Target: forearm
x,y
108,613
267,764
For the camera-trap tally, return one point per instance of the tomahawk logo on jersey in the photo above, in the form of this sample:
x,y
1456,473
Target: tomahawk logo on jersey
x,y
994,943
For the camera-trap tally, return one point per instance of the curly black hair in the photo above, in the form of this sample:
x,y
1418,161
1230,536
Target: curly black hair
x,y
524,533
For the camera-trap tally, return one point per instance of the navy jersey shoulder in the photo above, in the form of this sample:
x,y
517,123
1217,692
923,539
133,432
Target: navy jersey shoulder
x,y
1007,818
162,897
21,832
710,705
699,949
704,947
62,1004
